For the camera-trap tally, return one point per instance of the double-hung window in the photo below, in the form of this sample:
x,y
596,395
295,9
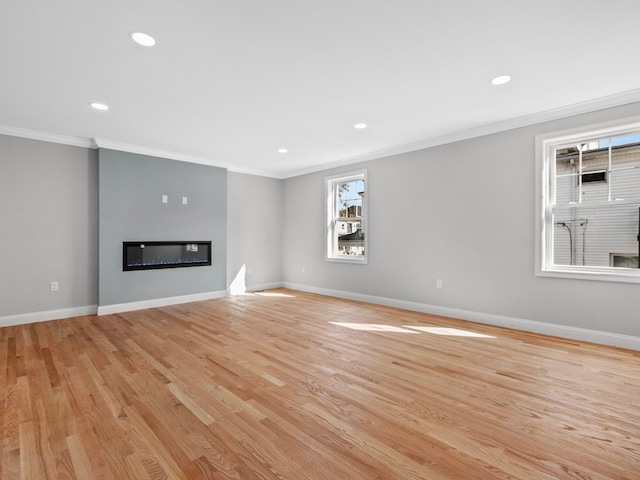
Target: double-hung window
x,y
588,208
346,235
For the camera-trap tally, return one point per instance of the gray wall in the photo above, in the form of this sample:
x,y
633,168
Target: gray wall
x,y
254,229
131,188
48,226
463,213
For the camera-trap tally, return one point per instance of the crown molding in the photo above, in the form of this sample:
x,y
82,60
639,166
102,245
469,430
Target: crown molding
x,y
182,157
602,103
155,152
45,136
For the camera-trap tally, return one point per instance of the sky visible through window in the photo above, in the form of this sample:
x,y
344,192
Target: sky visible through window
x,y
617,141
349,194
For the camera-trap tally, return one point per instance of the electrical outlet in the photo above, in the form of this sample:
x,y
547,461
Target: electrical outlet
x,y
304,269
54,286
439,283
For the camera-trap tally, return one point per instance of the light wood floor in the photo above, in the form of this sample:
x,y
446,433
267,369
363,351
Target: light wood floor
x,y
268,387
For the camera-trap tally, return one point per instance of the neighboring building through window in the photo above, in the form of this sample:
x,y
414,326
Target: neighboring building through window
x,y
346,218
589,209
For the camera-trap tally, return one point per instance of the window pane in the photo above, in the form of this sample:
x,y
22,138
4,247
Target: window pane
x,y
595,163
625,175
622,140
596,236
567,189
595,186
349,198
348,228
566,175
625,184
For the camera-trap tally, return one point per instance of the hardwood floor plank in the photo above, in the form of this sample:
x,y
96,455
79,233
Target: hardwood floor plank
x,y
80,458
52,439
31,467
152,448
191,404
137,469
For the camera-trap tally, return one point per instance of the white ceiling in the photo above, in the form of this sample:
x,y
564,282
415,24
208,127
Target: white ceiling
x,y
230,82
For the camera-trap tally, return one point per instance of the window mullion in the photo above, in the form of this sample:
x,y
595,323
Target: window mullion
x,y
580,174
609,154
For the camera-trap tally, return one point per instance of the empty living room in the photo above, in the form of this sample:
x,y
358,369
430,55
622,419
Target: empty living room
x,y
293,240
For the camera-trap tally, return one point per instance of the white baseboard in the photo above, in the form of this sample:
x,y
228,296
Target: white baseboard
x,y
159,302
264,286
47,315
563,331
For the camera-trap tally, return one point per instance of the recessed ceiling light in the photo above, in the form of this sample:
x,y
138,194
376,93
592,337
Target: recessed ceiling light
x,y
143,39
360,126
501,80
100,106
282,150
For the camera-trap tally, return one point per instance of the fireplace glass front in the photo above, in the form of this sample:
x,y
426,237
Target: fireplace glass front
x,y
153,255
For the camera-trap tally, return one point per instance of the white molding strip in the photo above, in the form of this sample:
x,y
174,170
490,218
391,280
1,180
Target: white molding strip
x,y
258,287
155,152
47,315
159,302
263,286
610,101
562,331
181,157
46,137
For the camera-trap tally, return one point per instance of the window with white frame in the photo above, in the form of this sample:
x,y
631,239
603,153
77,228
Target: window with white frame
x,y
588,213
347,217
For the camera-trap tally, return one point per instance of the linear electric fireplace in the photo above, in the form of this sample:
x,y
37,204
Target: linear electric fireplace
x,y
153,255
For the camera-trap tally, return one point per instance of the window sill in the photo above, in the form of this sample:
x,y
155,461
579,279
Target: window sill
x,y
604,275
346,259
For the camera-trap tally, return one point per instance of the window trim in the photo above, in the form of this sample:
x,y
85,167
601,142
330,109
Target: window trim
x,y
331,217
545,145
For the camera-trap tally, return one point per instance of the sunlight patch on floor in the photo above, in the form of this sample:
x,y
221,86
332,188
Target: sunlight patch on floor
x,y
451,332
373,327
274,294
378,327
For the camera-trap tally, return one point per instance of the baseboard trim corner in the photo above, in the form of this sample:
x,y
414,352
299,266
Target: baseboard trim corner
x,y
264,286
